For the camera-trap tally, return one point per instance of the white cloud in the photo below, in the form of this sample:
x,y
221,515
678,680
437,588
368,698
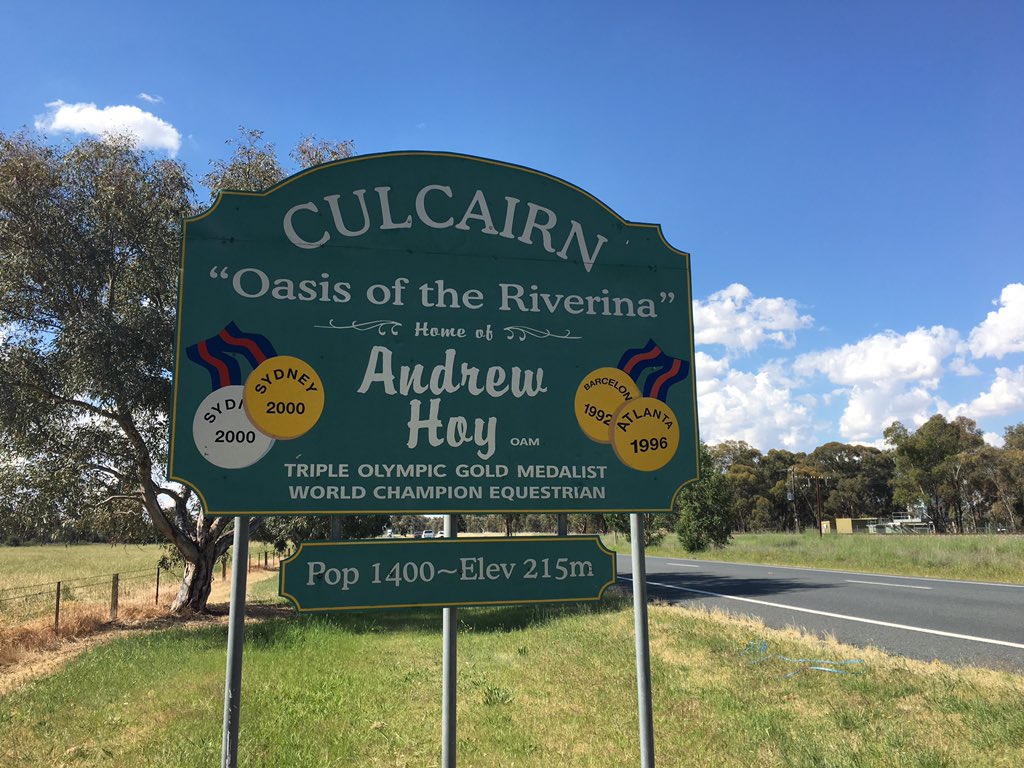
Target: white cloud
x,y
885,378
734,318
873,407
994,439
150,131
706,366
884,358
758,408
1002,331
151,99
1006,395
961,367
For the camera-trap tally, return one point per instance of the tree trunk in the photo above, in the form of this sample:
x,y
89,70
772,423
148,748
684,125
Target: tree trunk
x,y
194,591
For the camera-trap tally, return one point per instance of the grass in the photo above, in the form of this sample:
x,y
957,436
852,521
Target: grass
x,y
537,687
28,577
56,562
975,558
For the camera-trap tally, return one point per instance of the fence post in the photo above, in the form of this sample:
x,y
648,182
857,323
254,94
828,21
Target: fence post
x,y
224,567
157,601
113,597
56,613
264,561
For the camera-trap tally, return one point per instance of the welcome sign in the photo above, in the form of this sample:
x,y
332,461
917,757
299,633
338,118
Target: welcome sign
x,y
417,332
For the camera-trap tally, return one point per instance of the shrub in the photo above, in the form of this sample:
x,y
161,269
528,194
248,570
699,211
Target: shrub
x,y
705,516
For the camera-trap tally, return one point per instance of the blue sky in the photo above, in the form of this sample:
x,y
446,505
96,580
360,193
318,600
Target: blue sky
x,y
848,177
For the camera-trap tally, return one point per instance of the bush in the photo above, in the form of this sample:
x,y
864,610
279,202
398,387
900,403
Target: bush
x,y
656,526
705,516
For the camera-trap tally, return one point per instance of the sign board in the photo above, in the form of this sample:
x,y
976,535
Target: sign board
x,y
425,332
406,573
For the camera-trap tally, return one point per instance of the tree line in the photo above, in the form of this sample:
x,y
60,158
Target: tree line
x,y
943,470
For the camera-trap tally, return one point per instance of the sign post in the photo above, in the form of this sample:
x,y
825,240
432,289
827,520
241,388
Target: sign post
x,y
449,667
643,646
486,338
236,635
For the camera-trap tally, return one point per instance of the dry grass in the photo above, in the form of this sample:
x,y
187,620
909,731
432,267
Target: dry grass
x,y
32,649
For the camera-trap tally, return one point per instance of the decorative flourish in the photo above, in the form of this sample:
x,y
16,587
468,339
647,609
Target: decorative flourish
x,y
381,326
520,332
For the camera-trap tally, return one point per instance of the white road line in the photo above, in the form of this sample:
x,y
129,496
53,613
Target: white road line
x,y
861,619
684,565
859,573
883,584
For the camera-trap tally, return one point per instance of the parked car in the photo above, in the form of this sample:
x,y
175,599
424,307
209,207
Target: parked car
x,y
427,535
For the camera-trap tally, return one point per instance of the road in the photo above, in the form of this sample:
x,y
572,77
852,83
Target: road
x,y
959,622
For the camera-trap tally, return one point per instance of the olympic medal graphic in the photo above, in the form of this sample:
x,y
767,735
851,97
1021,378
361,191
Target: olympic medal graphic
x,y
645,434
601,393
284,397
223,432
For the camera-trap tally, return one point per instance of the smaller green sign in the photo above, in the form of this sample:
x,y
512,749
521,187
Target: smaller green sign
x,y
408,573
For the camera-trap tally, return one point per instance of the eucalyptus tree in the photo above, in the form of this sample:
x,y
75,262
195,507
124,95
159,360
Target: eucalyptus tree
x,y
742,464
90,242
89,249
932,466
855,480
1008,507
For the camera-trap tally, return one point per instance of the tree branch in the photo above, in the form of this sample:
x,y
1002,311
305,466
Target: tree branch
x,y
86,406
108,470
178,498
120,496
175,533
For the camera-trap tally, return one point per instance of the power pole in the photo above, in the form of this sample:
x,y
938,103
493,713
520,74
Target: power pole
x,y
817,486
792,500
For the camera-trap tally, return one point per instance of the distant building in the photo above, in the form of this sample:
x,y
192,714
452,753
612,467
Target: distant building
x,y
855,524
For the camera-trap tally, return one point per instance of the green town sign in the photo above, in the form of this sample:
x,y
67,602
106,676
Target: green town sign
x,y
406,573
417,332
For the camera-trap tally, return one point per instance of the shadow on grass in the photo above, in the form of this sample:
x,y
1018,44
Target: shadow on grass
x,y
280,623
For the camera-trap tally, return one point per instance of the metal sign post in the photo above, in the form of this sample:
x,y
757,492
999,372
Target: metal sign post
x,y
643,647
236,634
450,622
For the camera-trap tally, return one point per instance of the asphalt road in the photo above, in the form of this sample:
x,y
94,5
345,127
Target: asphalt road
x,y
959,622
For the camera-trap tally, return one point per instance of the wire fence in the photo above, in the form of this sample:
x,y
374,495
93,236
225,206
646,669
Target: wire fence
x,y
103,597
65,599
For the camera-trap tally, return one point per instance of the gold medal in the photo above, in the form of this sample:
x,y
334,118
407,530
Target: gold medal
x,y
645,434
598,397
284,397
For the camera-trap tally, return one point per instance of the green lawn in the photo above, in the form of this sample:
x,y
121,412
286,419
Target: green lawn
x,y
537,688
977,558
57,562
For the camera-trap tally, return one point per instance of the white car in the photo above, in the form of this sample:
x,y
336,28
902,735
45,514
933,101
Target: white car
x,y
427,535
